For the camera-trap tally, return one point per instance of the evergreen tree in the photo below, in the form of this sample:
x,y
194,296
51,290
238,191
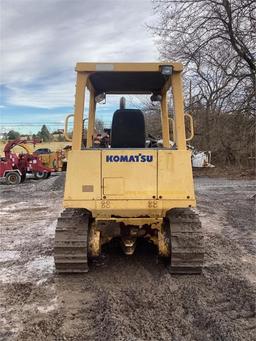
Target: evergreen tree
x,y
44,134
13,135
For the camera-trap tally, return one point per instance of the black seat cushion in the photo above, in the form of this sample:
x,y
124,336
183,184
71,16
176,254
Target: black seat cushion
x,y
128,129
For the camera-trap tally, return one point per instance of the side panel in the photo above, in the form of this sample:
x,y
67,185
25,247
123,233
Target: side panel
x,y
83,177
129,174
175,179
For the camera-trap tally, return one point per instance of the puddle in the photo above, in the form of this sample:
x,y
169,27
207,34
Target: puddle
x,y
36,269
52,305
41,265
6,256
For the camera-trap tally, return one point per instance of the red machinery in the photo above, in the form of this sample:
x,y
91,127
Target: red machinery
x,y
14,167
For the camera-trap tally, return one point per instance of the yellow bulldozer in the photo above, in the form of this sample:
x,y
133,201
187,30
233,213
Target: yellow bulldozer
x,y
129,191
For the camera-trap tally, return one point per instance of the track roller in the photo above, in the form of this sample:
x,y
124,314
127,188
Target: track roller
x,y
70,249
187,241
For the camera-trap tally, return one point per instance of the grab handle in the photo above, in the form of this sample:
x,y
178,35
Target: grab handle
x,y
191,127
173,128
66,127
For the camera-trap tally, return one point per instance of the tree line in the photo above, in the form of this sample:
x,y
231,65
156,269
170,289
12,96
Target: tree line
x,y
43,135
46,136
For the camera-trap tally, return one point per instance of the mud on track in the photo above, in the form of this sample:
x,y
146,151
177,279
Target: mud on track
x,y
127,298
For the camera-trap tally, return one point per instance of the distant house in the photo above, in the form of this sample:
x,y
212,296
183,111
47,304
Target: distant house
x,y
26,137
3,135
57,134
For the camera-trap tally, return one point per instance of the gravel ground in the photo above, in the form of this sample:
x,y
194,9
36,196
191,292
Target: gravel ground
x,y
127,298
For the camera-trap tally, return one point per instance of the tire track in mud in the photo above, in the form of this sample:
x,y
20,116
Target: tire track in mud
x,y
215,306
129,298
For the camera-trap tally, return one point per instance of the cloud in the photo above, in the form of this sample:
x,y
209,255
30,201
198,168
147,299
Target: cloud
x,y
43,40
53,95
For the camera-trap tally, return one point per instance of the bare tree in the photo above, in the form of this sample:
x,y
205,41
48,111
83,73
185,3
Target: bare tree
x,y
192,26
216,40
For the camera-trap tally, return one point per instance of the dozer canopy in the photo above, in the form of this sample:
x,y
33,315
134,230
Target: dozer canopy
x,y
130,78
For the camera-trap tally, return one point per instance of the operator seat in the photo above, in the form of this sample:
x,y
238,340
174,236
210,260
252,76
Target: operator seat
x,y
128,129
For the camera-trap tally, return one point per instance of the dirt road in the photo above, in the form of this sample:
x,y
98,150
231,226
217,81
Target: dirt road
x,y
127,298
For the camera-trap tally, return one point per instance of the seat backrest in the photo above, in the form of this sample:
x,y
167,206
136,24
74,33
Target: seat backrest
x,y
128,129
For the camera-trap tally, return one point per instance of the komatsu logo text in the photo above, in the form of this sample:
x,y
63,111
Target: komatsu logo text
x,y
129,158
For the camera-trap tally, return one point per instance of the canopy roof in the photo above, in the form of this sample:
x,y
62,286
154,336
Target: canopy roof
x,y
127,82
125,78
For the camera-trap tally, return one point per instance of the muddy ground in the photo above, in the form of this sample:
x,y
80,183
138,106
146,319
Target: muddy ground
x,y
127,298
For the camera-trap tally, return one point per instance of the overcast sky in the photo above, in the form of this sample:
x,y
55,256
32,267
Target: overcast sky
x,y
41,41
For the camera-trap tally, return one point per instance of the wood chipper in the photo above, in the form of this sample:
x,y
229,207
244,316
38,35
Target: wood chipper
x,y
51,159
14,167
129,191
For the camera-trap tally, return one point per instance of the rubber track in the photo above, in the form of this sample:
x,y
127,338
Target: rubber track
x,y
187,242
70,248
